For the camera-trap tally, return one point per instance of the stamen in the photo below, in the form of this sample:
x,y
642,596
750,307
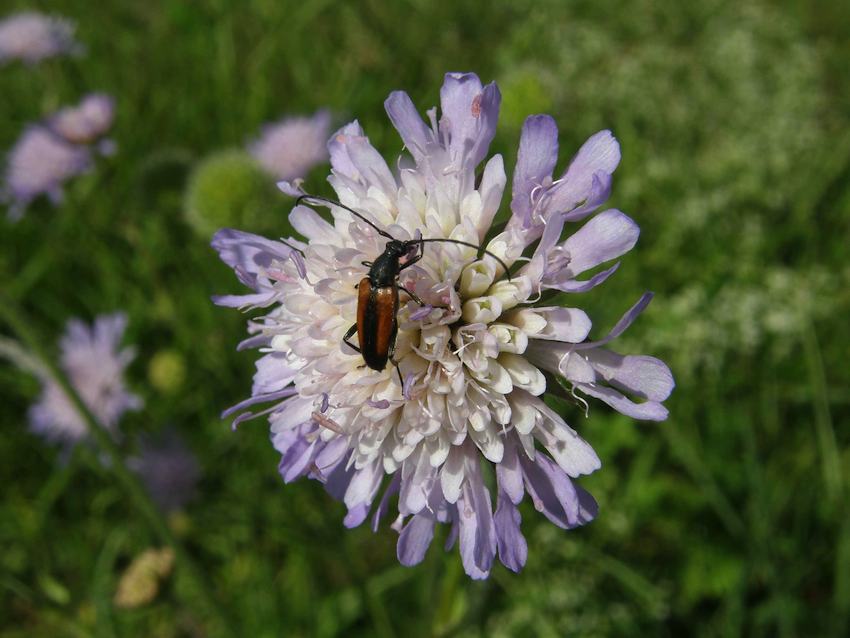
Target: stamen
x,y
325,422
580,401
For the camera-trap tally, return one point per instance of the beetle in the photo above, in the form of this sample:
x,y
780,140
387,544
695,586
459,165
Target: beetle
x,y
377,292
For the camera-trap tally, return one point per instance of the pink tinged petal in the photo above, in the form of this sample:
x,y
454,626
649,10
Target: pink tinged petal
x,y
512,546
644,376
538,153
606,236
340,161
415,539
622,325
416,135
469,114
646,411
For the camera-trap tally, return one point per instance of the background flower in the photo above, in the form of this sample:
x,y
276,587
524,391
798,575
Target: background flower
x,y
31,37
39,164
289,148
95,365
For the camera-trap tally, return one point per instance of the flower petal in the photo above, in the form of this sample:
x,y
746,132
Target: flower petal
x,y
416,135
415,539
646,411
469,114
646,377
536,158
621,326
513,549
606,236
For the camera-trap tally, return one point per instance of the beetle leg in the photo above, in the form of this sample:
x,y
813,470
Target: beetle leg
x,y
368,264
412,294
348,335
395,363
398,372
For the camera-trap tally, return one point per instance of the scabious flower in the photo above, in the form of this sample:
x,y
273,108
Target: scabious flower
x,y
47,155
475,359
31,37
169,470
289,148
94,363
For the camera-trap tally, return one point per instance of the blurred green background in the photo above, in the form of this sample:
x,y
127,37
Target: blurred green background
x,y
729,519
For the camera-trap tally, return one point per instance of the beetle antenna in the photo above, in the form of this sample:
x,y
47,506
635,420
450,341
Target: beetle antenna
x,y
466,243
286,243
325,200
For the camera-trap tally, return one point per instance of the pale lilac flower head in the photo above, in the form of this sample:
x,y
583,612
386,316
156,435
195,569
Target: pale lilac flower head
x,y
476,358
31,37
92,358
289,148
87,122
39,164
169,470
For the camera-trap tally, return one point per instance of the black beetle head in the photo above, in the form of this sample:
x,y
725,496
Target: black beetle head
x,y
396,248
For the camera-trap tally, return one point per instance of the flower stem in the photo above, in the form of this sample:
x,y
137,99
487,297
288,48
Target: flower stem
x,y
211,612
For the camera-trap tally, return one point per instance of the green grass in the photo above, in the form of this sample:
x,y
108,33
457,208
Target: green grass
x,y
729,519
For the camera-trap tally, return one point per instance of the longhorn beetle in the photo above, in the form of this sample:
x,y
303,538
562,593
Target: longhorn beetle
x,y
377,292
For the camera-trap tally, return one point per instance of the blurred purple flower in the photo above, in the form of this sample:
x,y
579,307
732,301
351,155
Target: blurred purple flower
x,y
31,37
169,470
47,155
95,365
476,363
289,148
39,164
